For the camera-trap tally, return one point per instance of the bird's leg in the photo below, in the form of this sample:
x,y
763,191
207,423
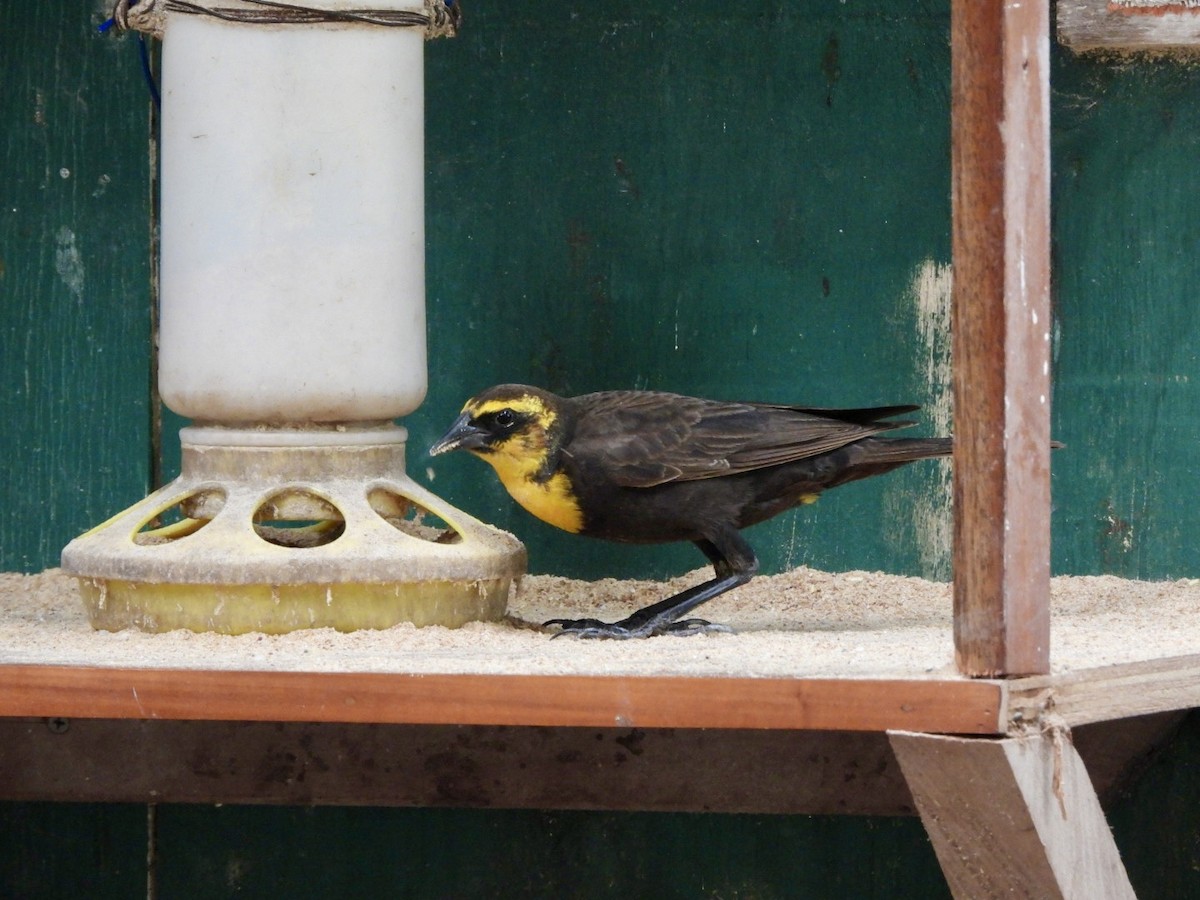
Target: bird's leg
x,y
658,618
734,563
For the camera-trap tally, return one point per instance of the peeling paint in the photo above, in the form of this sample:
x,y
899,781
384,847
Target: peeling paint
x,y
929,512
68,262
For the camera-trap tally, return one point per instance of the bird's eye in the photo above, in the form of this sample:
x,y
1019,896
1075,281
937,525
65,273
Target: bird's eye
x,y
506,418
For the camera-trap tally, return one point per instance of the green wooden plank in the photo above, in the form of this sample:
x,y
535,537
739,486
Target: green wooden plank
x,y
49,851
73,279
1127,260
327,852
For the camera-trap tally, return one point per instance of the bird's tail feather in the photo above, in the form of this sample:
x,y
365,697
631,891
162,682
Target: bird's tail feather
x,y
902,450
874,456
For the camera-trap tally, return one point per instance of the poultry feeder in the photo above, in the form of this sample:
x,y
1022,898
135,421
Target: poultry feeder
x,y
292,334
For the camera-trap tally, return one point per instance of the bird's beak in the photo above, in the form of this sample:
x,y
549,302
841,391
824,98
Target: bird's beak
x,y
461,436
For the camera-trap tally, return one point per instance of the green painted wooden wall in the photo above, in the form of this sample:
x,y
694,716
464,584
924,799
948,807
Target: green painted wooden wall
x,y
743,201
74,287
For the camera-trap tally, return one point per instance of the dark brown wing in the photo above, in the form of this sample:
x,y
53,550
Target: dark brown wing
x,y
644,438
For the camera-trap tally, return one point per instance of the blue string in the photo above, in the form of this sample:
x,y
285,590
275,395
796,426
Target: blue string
x,y
110,22
143,57
147,72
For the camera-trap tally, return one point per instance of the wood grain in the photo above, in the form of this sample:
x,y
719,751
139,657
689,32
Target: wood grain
x,y
1016,817
954,706
1001,326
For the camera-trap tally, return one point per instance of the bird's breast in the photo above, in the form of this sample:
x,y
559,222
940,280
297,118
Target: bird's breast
x,y
552,500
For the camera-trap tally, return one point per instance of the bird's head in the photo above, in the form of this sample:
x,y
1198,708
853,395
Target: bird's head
x,y
516,428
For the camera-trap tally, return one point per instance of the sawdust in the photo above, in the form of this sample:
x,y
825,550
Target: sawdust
x,y
805,623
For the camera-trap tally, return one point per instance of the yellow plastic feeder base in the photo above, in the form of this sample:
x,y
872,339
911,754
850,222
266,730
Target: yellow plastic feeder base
x,y
278,609
274,531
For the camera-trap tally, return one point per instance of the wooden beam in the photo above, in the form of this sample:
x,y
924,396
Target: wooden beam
x,y
1108,692
1150,26
1015,817
1001,327
485,766
663,770
954,706
948,705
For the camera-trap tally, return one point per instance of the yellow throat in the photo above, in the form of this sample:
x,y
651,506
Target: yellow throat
x,y
550,500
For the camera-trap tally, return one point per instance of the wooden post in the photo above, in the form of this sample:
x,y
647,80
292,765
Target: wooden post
x,y
1001,326
1012,818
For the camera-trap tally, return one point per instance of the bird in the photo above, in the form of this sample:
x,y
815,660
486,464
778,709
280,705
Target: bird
x,y
653,467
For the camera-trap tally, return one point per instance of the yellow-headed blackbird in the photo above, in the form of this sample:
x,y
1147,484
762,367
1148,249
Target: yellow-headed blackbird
x,y
652,467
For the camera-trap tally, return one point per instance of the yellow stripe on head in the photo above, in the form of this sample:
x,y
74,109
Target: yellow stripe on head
x,y
525,404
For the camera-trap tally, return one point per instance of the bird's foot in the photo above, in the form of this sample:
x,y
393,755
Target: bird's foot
x,y
632,627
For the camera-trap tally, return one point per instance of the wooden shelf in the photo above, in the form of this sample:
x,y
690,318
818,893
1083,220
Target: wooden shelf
x,y
946,706
812,746
936,705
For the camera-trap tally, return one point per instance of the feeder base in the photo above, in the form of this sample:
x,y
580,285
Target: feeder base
x,y
274,531
278,609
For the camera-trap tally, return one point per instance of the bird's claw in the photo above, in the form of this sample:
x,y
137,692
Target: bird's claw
x,y
688,627
627,628
592,628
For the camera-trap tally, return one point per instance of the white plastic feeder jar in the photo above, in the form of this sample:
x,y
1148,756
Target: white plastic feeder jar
x,y
293,230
